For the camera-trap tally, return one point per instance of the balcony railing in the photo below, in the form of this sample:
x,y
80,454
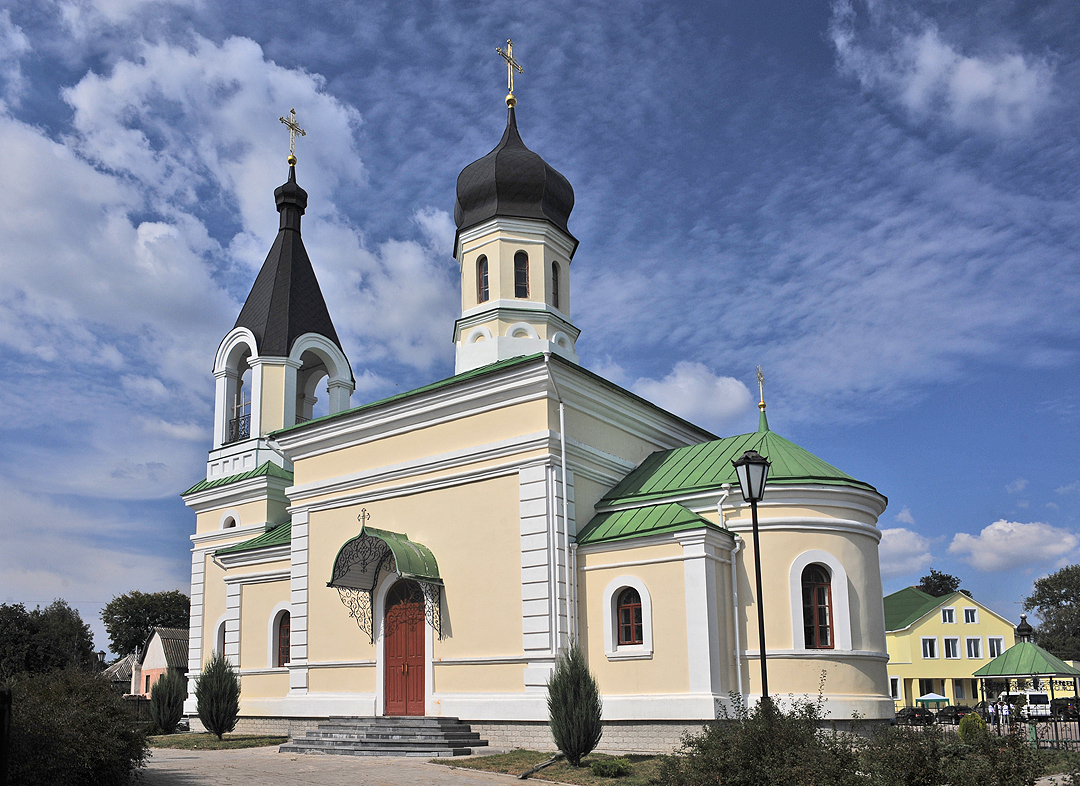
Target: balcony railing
x,y
239,428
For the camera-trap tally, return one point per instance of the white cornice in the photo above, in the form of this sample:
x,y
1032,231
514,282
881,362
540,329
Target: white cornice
x,y
209,539
264,487
524,229
259,578
516,310
256,556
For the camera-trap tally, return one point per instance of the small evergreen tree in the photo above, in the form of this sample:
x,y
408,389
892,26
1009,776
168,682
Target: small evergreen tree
x,y
167,701
574,706
217,696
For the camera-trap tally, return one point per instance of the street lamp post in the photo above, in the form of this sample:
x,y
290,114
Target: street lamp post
x,y
753,470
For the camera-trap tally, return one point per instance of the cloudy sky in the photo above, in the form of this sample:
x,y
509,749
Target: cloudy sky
x,y
877,202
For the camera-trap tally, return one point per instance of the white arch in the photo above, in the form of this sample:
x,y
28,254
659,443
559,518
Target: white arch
x,y
339,384
231,513
219,635
612,648
522,327
478,334
378,621
272,633
841,608
235,341
562,340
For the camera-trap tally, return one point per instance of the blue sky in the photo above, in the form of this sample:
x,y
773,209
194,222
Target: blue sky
x,y
879,203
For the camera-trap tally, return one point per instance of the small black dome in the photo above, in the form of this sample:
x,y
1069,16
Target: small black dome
x,y
512,181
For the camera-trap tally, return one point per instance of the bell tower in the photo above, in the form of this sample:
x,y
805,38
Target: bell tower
x,y
514,250
283,345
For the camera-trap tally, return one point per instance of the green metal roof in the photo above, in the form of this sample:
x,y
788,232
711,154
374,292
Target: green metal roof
x,y
267,469
281,535
354,566
1026,659
641,522
909,604
708,465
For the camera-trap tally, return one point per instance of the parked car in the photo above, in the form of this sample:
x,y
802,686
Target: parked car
x,y
983,708
953,713
914,716
1065,708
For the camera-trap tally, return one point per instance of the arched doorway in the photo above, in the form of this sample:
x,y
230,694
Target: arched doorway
x,y
403,649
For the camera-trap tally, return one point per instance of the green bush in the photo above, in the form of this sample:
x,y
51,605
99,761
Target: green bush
x,y
167,701
611,768
973,729
217,696
574,706
69,727
764,746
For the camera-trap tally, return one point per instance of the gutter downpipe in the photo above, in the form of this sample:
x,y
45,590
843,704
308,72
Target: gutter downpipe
x,y
736,547
565,506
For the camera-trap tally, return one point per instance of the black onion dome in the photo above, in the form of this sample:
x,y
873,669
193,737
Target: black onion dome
x,y
512,181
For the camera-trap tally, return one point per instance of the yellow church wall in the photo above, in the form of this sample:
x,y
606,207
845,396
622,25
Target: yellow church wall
x,y
249,513
474,430
213,604
596,433
477,678
586,494
842,677
803,511
475,551
667,670
273,398
260,686
257,603
342,679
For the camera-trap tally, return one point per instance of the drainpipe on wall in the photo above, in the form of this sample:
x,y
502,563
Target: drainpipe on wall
x,y
736,547
565,507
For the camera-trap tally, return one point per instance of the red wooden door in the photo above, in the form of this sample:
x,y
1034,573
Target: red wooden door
x,y
404,649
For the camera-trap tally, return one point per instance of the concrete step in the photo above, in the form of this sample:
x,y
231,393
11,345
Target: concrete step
x,y
388,736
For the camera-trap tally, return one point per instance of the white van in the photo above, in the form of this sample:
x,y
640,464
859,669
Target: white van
x,y
1029,704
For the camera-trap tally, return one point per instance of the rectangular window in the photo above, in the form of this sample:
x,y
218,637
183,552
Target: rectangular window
x,y
995,645
971,616
948,615
952,648
894,687
521,274
960,693
929,648
147,683
974,648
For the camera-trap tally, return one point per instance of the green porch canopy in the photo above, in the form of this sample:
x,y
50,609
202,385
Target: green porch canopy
x,y
362,560
1026,659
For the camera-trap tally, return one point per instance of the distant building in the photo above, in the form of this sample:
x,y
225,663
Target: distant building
x,y
936,644
165,648
119,673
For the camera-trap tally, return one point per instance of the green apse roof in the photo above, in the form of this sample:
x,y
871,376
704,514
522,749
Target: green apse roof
x,y
909,604
1025,659
640,522
266,469
281,535
708,465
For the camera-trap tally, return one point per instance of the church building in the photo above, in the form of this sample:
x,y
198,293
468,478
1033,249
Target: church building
x,y
432,553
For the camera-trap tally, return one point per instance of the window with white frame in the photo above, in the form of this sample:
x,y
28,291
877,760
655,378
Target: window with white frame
x,y
952,648
628,632
948,615
929,647
894,688
974,648
958,690
971,616
995,645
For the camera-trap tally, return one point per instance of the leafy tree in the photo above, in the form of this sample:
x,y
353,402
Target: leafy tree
x,y
940,584
1056,599
130,617
167,701
574,706
217,696
43,640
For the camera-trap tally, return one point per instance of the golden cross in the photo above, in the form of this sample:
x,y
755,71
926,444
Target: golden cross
x,y
363,517
294,129
511,66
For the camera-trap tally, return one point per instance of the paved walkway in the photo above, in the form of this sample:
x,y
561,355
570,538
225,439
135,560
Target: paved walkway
x,y
267,767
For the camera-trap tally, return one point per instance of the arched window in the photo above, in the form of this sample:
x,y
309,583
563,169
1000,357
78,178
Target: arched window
x,y
555,284
283,629
482,291
629,611
817,607
521,274
219,638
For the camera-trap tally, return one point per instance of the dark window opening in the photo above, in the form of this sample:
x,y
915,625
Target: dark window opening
x,y
521,274
283,640
482,291
555,284
629,617
817,607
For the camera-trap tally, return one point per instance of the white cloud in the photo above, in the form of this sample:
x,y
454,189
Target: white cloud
x,y
902,551
694,392
1070,488
13,45
1016,486
905,517
908,60
1009,545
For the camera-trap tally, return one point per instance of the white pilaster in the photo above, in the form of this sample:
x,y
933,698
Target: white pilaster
x,y
298,596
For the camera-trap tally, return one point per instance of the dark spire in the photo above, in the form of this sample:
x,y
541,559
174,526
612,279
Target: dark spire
x,y
285,301
1024,631
512,181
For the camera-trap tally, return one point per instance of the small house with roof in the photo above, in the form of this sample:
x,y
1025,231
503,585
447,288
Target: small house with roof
x,y
434,552
936,644
165,649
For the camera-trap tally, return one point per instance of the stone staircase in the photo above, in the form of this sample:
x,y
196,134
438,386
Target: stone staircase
x,y
388,736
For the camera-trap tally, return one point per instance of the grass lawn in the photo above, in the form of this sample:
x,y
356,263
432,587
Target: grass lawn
x,y
209,742
1059,762
520,760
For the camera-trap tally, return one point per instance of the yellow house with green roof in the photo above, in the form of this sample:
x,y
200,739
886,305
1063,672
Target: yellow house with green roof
x,y
936,644
433,553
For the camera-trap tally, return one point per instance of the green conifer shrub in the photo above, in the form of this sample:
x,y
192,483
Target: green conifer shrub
x,y
217,696
617,767
973,729
167,701
574,706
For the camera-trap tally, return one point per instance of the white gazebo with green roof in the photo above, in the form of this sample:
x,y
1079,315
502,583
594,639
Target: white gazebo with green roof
x,y
1026,660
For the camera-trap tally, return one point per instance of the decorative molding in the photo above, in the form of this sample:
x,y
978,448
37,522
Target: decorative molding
x,y
265,577
210,540
841,607
612,648
256,556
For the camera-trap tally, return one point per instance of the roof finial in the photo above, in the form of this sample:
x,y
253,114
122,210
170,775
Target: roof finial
x,y
511,66
294,129
763,423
